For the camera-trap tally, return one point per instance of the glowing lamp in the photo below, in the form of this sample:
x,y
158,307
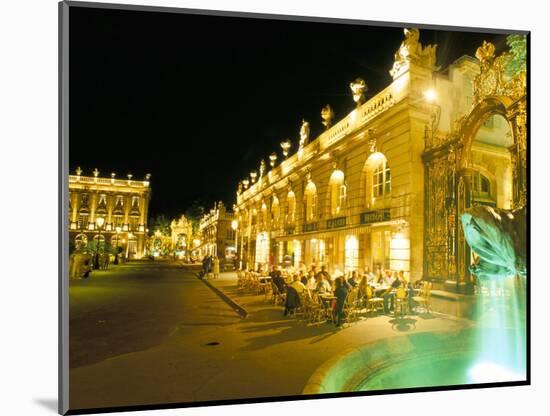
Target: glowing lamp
x,y
430,95
234,224
99,221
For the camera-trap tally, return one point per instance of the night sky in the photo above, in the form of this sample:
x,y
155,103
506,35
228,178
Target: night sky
x,y
198,101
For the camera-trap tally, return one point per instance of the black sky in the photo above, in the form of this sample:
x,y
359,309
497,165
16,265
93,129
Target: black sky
x,y
197,101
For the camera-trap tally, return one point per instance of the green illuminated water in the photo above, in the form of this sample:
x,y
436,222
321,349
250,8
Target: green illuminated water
x,y
494,350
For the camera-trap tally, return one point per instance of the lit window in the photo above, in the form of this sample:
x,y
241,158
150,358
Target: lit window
x,y
342,198
481,185
311,201
381,180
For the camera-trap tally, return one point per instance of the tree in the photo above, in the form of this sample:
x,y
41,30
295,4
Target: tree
x,y
160,223
194,214
517,61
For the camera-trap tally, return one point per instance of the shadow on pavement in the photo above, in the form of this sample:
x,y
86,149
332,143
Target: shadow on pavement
x,y
48,404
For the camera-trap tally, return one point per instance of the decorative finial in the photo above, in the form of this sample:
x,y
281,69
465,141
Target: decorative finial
x,y
147,176
262,168
286,147
130,176
327,115
272,159
96,173
246,182
358,89
253,176
78,171
113,174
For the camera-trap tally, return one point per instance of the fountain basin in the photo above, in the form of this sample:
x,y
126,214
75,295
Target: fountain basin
x,y
435,359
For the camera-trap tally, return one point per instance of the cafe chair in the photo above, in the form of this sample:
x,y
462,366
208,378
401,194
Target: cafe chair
x,y
374,303
350,306
277,295
425,297
401,301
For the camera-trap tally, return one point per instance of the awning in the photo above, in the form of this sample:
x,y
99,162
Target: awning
x,y
357,229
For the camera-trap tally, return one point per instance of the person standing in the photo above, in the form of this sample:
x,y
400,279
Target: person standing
x,y
341,293
216,267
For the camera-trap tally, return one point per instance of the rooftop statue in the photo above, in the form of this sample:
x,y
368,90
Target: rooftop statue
x,y
304,133
498,237
411,50
358,89
327,115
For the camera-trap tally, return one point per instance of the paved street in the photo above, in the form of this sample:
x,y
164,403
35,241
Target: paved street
x,y
151,332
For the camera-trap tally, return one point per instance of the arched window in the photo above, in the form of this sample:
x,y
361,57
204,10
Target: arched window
x,y
311,201
377,178
338,190
81,241
290,207
275,211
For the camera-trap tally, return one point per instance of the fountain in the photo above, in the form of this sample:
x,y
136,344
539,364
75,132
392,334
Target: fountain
x,y
492,350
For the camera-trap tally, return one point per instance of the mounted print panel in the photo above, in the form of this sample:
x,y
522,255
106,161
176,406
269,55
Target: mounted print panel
x,y
260,208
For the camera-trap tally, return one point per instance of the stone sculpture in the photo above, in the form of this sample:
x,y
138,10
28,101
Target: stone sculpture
x,y
498,237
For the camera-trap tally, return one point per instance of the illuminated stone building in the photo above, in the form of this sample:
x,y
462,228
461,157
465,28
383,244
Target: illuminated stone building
x,y
385,185
181,235
121,203
217,236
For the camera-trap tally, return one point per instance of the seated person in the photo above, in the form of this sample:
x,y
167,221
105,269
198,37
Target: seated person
x,y
390,296
297,284
292,299
352,281
323,286
311,281
277,280
323,273
304,278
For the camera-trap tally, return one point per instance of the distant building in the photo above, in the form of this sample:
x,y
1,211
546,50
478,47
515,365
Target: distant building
x,y
182,235
121,203
217,236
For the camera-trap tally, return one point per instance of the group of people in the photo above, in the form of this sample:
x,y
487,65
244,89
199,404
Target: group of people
x,y
210,267
383,282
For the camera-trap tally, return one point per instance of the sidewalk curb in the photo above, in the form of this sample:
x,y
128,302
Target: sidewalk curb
x,y
243,313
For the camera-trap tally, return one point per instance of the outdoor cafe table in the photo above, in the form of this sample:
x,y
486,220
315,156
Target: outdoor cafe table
x,y
264,279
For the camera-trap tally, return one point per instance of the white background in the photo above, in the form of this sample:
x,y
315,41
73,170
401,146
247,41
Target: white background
x,y
28,205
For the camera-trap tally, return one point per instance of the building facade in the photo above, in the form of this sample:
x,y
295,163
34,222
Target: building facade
x,y
121,203
217,234
385,185
182,237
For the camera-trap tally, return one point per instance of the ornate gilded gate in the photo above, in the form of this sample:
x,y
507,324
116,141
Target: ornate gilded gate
x,y
499,89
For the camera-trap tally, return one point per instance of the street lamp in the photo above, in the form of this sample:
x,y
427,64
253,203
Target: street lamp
x,y
118,229
99,221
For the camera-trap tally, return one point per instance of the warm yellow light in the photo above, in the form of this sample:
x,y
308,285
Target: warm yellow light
x,y
430,95
99,221
118,229
234,224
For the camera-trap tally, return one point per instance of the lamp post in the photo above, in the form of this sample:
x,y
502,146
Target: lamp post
x,y
99,221
118,229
